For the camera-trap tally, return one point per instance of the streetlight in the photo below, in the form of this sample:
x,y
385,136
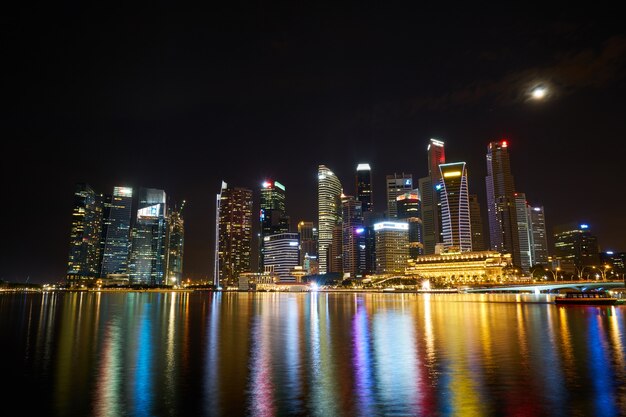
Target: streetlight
x,y
554,274
603,270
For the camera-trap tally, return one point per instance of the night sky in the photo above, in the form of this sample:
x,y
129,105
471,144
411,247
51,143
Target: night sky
x,y
181,99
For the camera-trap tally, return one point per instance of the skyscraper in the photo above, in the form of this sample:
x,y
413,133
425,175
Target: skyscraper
x,y
273,215
392,247
524,231
455,214
234,231
539,246
308,240
575,247
364,187
175,246
397,184
281,253
410,210
353,237
431,205
116,231
329,212
476,221
84,254
501,201
147,257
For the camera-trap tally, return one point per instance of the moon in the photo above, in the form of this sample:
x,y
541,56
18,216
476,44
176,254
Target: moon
x,y
539,93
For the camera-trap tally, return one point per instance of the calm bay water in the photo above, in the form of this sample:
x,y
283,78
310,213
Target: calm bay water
x,y
320,354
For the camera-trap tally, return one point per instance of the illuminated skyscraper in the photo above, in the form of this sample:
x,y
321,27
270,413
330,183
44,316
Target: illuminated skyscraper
x,y
282,254
175,246
431,204
392,247
575,247
273,216
83,261
116,231
476,221
455,214
353,237
397,184
308,240
524,231
410,210
329,212
147,257
234,234
364,187
501,201
539,246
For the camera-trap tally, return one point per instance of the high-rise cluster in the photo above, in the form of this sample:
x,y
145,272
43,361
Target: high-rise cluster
x,y
103,245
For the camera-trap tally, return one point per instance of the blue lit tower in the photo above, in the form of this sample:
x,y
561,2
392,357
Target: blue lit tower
x,y
116,231
273,216
455,213
147,258
84,255
329,212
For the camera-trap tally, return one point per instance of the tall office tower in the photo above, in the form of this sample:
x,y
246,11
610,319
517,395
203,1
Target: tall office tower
x,y
431,204
308,240
455,213
147,256
116,231
364,187
539,236
234,234
84,253
273,216
370,218
397,184
524,232
410,210
501,201
476,222
329,212
175,246
392,247
575,247
353,237
335,251
281,253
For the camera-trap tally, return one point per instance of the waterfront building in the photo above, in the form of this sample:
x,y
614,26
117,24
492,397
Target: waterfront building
x,y
501,211
392,247
575,247
455,214
234,234
310,265
462,267
353,238
308,240
335,251
616,261
364,187
431,205
410,211
397,184
147,257
175,246
329,212
539,236
476,222
273,214
524,231
83,265
281,253
116,232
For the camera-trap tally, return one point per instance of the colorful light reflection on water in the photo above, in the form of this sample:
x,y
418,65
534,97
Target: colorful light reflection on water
x,y
326,354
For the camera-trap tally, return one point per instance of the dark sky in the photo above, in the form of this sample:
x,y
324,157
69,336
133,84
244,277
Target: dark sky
x,y
180,99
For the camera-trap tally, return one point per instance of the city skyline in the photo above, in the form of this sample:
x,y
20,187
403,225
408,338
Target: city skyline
x,y
180,104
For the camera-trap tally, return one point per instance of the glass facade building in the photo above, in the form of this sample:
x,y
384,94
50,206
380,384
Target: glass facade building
x,y
328,211
429,187
116,231
410,210
397,184
455,212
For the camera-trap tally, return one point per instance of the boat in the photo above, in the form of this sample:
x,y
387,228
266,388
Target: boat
x,y
588,298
